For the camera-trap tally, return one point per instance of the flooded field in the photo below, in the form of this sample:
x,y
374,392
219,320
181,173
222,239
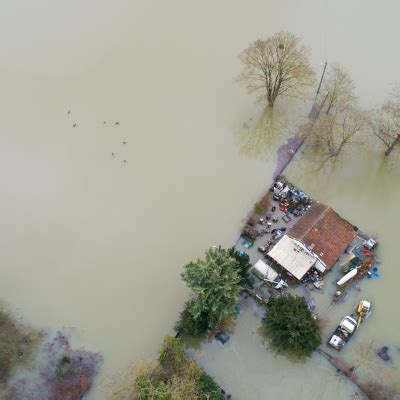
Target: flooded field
x,y
97,219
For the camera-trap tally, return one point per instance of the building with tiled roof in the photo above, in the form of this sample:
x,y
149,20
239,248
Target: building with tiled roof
x,y
316,240
324,233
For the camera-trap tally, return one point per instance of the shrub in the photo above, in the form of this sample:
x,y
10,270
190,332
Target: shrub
x,y
258,209
147,389
261,207
208,387
175,377
172,356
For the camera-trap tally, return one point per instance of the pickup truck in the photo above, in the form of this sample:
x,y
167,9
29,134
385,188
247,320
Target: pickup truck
x,y
343,333
349,324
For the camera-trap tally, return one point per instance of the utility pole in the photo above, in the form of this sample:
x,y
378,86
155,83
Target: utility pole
x,y
320,82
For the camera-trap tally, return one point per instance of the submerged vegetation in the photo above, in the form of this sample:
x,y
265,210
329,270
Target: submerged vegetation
x,y
18,343
46,370
290,327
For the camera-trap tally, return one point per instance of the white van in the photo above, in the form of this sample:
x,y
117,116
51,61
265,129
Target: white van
x,y
268,274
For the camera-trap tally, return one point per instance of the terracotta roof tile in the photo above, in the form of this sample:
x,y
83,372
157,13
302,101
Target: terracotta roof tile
x,y
323,230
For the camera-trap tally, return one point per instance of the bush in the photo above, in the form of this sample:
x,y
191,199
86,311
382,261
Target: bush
x,y
176,376
262,206
258,209
172,356
207,386
290,328
147,389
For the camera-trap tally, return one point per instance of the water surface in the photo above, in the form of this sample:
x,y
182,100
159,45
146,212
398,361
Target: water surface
x,y
94,243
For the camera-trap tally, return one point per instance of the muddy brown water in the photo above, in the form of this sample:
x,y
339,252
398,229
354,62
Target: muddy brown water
x,y
96,244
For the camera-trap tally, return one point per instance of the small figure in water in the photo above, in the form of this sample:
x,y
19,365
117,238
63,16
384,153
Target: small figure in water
x,y
74,125
104,122
113,154
69,112
125,161
123,142
117,123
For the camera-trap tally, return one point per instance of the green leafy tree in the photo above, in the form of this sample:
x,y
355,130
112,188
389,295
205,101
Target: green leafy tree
x,y
215,281
290,328
243,265
188,325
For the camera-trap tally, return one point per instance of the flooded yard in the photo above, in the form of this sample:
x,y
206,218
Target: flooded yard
x,y
103,205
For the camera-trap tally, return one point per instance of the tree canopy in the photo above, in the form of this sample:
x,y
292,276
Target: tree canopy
x,y
243,266
174,376
276,66
290,328
215,281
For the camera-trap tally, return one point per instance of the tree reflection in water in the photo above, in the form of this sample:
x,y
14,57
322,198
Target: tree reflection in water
x,y
261,136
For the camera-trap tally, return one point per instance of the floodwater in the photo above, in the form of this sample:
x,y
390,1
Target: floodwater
x,y
95,243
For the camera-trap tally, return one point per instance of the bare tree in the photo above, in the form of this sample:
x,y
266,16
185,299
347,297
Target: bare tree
x,y
385,122
276,66
338,89
332,134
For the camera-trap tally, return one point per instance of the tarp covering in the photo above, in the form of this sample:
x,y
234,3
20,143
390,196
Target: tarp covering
x,y
292,256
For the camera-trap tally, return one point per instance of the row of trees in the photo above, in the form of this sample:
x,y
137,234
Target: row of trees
x,y
342,124
280,66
